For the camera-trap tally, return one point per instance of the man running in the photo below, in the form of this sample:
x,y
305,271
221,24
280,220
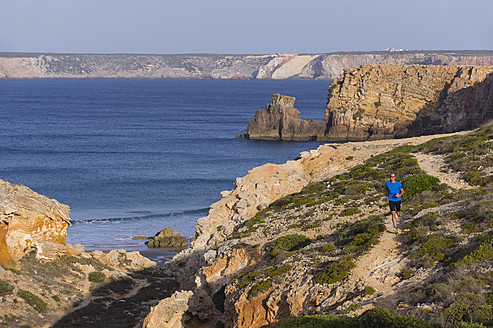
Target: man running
x,y
395,193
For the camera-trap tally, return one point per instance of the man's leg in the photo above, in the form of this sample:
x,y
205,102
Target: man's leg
x,y
394,219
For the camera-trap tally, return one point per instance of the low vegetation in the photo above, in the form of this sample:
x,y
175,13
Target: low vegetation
x,y
35,301
374,318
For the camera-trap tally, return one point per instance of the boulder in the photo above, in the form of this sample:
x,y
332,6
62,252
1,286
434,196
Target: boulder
x,y
167,238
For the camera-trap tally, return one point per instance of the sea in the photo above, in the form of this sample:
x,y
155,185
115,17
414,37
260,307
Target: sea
x,y
134,156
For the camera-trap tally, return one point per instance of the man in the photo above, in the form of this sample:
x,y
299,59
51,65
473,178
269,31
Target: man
x,y
395,193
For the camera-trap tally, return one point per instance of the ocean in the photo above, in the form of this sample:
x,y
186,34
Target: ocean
x,y
134,156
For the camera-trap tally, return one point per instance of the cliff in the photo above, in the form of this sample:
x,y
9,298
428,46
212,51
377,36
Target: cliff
x,y
27,218
327,247
268,66
385,101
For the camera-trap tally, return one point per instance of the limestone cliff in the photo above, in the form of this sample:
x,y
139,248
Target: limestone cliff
x,y
383,101
268,66
386,101
27,218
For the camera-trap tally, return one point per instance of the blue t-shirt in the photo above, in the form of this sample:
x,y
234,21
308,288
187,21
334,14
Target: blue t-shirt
x,y
394,188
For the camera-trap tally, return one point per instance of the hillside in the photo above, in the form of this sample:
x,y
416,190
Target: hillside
x,y
328,249
220,66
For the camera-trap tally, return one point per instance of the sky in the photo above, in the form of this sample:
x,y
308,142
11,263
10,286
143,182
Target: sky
x,y
243,27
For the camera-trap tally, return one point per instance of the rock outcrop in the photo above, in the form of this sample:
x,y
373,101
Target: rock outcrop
x,y
385,101
269,66
167,238
28,219
281,121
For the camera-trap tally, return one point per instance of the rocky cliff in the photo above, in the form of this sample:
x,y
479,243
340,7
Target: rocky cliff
x,y
27,219
387,101
269,66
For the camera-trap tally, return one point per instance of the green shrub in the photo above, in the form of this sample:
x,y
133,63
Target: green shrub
x,y
97,277
433,247
350,211
463,313
282,270
370,291
261,287
359,237
37,303
15,271
5,288
287,244
245,278
483,252
336,272
416,183
374,318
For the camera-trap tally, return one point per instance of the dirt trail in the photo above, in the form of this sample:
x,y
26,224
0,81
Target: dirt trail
x,y
435,165
380,267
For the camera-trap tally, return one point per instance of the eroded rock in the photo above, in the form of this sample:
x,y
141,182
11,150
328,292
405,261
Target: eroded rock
x,y
27,218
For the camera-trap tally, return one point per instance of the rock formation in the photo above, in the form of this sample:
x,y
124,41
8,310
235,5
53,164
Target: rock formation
x,y
385,101
269,66
28,219
167,238
281,121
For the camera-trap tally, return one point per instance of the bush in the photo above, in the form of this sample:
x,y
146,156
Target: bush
x,y
288,243
282,270
416,183
37,303
245,278
336,272
97,277
261,287
374,318
359,237
370,291
483,252
350,211
5,288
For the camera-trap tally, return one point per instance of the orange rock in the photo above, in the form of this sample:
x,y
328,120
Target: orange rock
x,y
26,218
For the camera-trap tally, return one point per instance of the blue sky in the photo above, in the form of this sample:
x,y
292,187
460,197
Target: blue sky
x,y
243,27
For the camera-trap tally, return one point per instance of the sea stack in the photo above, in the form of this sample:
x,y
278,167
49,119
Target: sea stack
x,y
280,120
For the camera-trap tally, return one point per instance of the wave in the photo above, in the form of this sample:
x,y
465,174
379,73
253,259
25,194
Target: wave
x,y
139,217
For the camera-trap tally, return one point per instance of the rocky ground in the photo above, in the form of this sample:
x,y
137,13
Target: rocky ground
x,y
96,289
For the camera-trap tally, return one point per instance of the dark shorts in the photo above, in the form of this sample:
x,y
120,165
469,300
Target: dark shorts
x,y
395,206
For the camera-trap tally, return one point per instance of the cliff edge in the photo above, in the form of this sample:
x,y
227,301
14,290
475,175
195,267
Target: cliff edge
x,y
385,101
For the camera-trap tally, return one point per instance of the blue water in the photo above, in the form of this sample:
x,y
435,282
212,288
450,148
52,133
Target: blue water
x,y
131,157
